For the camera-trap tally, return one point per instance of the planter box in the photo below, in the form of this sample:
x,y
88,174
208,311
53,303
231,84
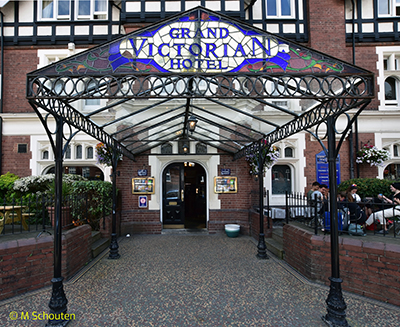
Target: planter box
x,y
66,216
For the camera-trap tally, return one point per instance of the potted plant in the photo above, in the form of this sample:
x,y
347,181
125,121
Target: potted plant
x,y
271,156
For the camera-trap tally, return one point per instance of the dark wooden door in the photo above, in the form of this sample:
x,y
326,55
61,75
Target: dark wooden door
x,y
173,195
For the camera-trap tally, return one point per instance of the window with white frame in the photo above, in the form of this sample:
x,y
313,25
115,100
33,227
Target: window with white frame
x,y
89,152
68,152
281,179
280,9
54,9
91,9
78,152
388,8
391,89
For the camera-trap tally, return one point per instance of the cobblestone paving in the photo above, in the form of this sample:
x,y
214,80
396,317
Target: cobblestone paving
x,y
194,280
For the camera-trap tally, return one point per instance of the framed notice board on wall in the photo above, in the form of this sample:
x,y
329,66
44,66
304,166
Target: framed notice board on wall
x,y
225,184
143,185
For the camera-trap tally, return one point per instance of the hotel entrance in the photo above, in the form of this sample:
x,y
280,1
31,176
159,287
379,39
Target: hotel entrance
x,y
184,196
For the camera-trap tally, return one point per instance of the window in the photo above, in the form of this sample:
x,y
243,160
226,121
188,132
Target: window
x,y
45,154
86,172
89,152
68,152
166,148
78,152
22,148
201,148
391,91
54,9
395,150
288,152
92,102
280,8
388,7
91,9
281,179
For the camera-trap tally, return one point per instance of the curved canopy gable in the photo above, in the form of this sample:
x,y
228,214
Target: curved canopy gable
x,y
205,59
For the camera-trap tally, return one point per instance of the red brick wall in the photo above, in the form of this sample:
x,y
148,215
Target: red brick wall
x,y
255,225
368,268
234,206
15,77
14,162
27,264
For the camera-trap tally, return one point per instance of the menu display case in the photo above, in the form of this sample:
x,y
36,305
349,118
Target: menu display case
x,y
225,184
143,185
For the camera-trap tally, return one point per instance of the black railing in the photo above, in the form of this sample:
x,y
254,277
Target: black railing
x,y
37,213
314,213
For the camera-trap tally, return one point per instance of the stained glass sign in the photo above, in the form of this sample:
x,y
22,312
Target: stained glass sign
x,y
201,41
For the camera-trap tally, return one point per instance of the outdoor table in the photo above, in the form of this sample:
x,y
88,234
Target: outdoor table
x,y
11,214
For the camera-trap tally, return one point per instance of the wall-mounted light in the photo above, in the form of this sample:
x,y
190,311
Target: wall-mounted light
x,y
192,121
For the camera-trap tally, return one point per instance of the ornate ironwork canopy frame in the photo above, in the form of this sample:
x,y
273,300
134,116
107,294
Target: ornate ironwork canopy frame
x,y
261,67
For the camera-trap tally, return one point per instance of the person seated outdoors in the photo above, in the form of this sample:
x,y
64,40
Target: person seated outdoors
x,y
347,203
352,189
382,215
314,187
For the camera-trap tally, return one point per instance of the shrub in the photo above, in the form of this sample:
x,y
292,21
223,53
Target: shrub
x,y
368,187
97,200
42,183
6,185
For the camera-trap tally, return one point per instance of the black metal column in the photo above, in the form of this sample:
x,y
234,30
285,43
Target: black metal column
x,y
261,246
336,306
114,241
58,301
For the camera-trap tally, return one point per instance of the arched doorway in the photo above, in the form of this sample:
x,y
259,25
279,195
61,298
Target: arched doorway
x,y
184,196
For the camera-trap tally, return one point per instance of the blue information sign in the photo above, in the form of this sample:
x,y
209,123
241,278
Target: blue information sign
x,y
142,172
225,172
142,201
322,168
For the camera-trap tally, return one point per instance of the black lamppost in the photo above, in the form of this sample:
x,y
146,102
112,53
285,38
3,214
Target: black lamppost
x,y
58,301
114,242
336,306
261,246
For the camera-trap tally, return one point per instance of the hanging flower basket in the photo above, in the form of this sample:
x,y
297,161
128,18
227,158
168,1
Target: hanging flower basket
x,y
370,154
272,155
104,155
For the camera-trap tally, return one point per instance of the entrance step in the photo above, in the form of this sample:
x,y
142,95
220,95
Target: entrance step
x,y
98,244
275,244
185,231
95,236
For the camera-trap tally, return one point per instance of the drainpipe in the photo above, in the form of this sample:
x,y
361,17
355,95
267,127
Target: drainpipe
x,y
351,143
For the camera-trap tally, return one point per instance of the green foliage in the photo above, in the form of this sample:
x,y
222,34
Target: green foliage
x,y
6,185
98,198
368,187
42,183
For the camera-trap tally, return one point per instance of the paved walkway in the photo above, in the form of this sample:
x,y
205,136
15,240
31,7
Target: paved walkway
x,y
194,280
